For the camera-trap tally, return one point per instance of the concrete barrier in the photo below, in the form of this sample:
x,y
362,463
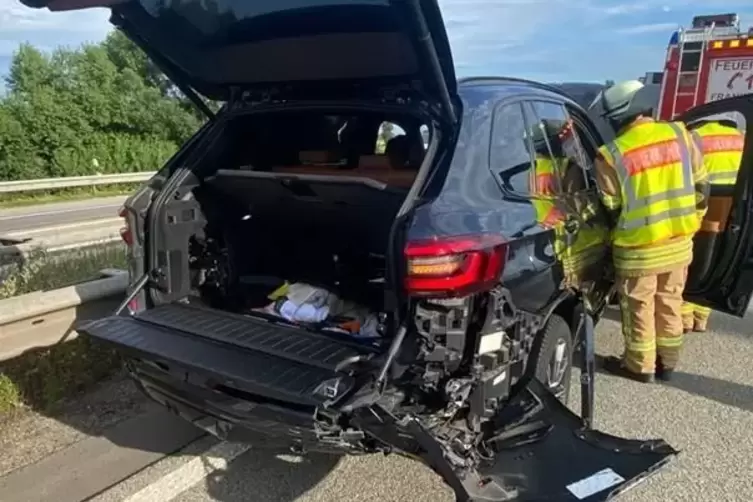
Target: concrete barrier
x,y
45,318
55,239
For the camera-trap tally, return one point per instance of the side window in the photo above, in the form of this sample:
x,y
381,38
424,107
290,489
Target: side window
x,y
425,136
556,143
589,144
510,156
387,131
691,61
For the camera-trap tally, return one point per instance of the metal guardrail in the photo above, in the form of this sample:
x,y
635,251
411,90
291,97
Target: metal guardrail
x,y
74,181
46,318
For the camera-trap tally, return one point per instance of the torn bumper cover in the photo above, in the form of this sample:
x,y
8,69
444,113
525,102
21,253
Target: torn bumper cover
x,y
545,453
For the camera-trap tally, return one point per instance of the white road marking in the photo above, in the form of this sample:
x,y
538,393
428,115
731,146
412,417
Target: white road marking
x,y
176,482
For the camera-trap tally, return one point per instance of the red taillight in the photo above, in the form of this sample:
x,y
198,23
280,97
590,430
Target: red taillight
x,y
125,233
134,306
454,266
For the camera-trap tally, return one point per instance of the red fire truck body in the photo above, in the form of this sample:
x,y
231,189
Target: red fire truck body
x,y
712,60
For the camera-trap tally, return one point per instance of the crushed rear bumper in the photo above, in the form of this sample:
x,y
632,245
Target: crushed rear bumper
x,y
546,454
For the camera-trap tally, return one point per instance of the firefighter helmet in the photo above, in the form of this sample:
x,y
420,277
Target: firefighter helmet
x,y
625,100
547,135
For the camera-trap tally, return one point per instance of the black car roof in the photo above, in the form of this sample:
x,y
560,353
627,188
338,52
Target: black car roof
x,y
513,85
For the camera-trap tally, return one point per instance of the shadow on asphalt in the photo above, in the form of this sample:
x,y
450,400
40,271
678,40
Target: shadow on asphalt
x,y
724,392
272,474
612,313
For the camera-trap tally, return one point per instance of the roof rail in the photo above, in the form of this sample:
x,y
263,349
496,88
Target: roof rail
x,y
490,80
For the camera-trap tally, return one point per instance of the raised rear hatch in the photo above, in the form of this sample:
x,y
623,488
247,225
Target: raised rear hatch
x,y
306,48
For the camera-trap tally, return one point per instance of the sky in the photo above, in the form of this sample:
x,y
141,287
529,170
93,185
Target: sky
x,y
549,40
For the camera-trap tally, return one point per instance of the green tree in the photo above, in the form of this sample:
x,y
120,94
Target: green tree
x,y
29,70
98,108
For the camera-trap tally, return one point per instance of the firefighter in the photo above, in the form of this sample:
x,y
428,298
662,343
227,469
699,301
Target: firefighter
x,y
556,180
722,144
652,179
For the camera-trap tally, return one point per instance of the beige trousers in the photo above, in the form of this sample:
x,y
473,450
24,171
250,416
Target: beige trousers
x,y
695,317
652,323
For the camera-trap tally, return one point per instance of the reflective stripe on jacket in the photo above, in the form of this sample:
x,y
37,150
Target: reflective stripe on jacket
x,y
577,252
657,200
722,149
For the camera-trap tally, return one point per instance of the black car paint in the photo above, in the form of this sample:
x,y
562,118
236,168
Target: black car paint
x,y
471,200
728,287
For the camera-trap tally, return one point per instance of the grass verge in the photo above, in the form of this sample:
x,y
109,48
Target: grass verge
x,y
65,194
42,378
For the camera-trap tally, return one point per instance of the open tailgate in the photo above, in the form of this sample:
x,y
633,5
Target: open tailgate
x,y
266,360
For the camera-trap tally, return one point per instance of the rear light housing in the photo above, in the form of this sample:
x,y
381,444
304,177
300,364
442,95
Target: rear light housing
x,y
126,233
455,266
134,306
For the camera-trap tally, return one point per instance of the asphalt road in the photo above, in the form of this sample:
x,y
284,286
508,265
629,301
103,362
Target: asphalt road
x,y
58,214
707,412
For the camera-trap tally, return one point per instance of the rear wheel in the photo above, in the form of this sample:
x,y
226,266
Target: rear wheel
x,y
552,356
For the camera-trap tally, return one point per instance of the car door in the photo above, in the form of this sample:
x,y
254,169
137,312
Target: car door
x,y
721,275
581,233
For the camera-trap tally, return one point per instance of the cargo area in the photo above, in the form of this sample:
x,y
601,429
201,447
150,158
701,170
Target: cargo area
x,y
296,219
274,255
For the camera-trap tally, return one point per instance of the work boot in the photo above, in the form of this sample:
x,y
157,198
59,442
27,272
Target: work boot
x,y
699,328
662,373
616,366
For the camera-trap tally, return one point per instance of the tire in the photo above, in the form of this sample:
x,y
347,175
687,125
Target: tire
x,y
554,342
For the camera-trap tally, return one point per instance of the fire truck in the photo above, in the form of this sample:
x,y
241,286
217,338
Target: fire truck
x,y
709,61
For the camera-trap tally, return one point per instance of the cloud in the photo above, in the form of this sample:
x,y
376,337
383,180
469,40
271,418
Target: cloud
x,y
626,8
47,30
649,28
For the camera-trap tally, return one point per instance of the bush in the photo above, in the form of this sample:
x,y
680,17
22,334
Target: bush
x,y
101,108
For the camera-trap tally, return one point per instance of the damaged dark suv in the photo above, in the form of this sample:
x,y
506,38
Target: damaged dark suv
x,y
291,277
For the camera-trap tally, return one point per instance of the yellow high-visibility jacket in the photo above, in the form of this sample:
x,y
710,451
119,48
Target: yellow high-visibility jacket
x,y
587,246
653,174
722,149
